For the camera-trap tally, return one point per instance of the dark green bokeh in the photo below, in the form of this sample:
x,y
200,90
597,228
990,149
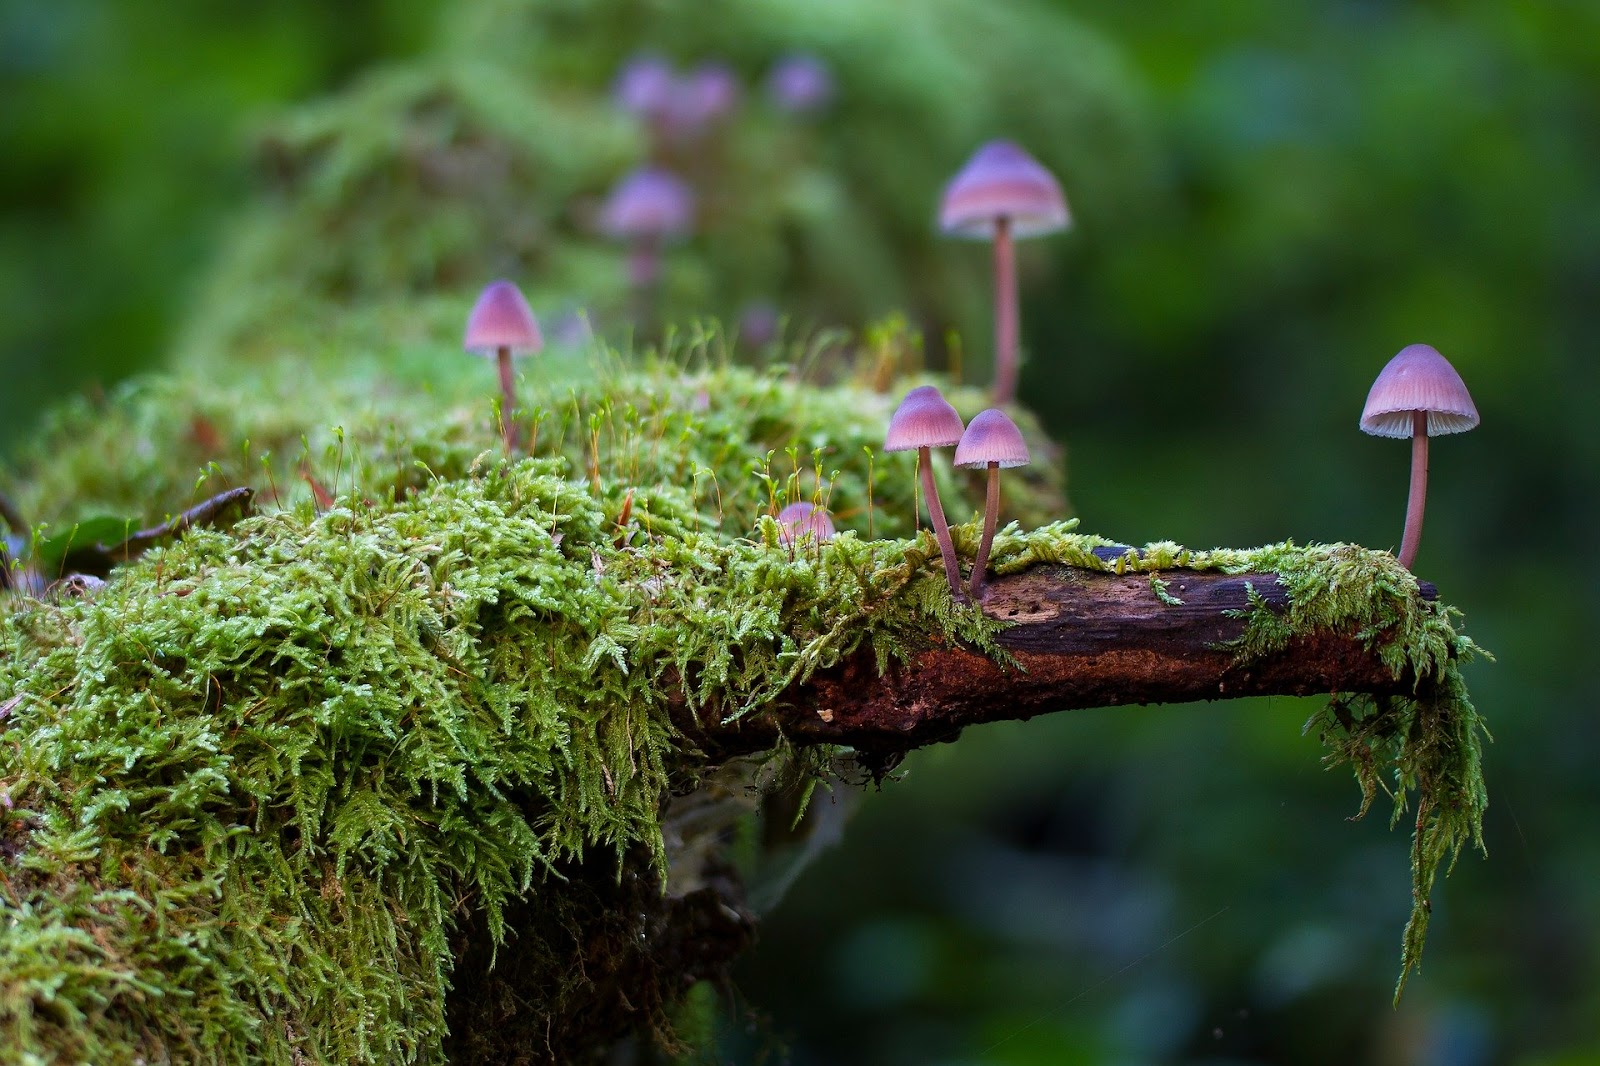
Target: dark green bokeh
x,y
1325,183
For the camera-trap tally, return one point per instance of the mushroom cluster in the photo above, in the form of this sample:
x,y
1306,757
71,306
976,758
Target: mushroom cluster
x,y
924,421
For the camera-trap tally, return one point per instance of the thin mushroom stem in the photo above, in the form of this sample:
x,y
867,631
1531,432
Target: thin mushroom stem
x,y
991,512
1412,539
508,398
1005,313
941,529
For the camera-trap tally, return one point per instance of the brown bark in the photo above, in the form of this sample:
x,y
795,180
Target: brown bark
x,y
1080,638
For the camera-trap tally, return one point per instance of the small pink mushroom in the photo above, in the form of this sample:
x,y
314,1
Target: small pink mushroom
x,y
502,322
647,209
1002,193
802,521
1417,395
925,420
993,441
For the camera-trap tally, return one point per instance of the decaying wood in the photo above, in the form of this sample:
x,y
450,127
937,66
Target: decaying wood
x,y
97,560
1080,638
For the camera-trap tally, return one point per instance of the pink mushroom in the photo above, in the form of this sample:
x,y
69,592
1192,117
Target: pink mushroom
x,y
647,209
1417,395
800,521
925,420
993,441
1003,193
502,322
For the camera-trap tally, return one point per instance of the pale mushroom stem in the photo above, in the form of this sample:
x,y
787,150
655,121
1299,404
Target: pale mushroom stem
x,y
508,399
1005,313
941,529
991,511
1412,539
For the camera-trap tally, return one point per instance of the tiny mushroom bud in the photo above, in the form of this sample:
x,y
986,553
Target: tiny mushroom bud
x,y
1417,395
992,440
1001,193
798,521
926,420
501,322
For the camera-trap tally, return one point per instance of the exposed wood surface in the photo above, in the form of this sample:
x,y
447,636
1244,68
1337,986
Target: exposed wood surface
x,y
1081,638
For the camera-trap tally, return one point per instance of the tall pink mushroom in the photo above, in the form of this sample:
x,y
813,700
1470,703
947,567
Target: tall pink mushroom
x,y
1418,395
645,210
993,441
1003,193
923,421
502,322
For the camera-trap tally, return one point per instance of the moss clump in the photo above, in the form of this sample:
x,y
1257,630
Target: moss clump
x,y
270,787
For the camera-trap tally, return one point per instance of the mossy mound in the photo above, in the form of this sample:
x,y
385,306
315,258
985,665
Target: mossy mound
x,y
271,786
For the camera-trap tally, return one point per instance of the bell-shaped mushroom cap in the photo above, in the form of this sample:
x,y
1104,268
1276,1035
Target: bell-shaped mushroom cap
x,y
648,203
1418,379
924,419
992,438
502,319
800,520
1003,181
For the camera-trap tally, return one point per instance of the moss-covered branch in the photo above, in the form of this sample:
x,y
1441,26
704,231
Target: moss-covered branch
x,y
1075,638
485,708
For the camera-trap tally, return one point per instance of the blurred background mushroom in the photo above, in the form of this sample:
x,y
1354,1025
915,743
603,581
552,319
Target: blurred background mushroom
x,y
646,210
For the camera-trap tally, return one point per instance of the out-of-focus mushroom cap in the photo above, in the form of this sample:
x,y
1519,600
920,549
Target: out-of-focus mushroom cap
x,y
502,319
707,94
644,86
924,419
800,520
992,438
649,202
800,82
1003,181
1418,379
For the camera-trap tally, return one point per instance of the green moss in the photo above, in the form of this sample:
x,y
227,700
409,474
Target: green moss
x,y
319,744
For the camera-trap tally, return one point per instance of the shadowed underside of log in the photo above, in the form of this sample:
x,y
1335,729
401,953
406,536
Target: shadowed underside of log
x,y
1079,638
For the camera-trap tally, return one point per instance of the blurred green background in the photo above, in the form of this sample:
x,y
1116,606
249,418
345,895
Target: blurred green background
x,y
1271,200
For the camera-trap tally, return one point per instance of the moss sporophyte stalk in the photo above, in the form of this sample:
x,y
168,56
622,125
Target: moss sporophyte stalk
x,y
259,785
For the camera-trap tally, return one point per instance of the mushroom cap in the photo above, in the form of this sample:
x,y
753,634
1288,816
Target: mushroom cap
x,y
992,438
707,94
1001,180
924,419
644,86
800,82
649,202
1418,379
800,520
502,319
